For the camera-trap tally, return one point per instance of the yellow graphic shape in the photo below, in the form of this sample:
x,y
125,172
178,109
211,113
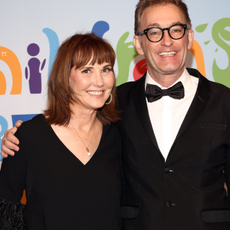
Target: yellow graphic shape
x,y
12,61
199,57
2,83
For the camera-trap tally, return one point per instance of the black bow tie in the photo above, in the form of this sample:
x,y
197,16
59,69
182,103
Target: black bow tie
x,y
154,93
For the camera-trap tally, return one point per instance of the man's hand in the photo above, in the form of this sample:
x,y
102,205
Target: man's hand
x,y
10,142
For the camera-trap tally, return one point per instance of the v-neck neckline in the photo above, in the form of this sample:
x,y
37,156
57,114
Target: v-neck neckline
x,y
67,149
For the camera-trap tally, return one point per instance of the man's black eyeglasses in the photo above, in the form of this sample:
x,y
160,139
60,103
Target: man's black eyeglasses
x,y
155,34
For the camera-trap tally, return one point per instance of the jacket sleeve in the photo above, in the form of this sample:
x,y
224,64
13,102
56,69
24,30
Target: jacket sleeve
x,y
11,215
12,183
227,173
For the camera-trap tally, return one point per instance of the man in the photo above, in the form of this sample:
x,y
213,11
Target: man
x,y
176,142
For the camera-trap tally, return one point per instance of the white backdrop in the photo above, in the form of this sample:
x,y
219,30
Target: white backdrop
x,y
32,30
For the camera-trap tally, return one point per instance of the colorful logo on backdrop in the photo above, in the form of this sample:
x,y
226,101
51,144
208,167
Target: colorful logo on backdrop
x,y
11,60
220,34
125,51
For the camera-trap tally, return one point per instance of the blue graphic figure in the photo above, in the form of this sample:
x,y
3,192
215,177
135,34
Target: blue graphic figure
x,y
4,127
100,28
22,117
54,45
34,75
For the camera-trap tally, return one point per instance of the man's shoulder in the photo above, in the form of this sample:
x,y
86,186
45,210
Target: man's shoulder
x,y
128,87
125,87
209,85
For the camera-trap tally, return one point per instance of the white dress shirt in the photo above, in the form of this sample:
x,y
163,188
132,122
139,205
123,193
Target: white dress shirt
x,y
167,114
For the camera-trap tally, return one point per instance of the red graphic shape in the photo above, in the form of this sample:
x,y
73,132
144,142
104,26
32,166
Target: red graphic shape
x,y
139,69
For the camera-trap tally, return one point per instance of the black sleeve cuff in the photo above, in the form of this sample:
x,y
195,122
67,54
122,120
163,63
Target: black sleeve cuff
x,y
11,215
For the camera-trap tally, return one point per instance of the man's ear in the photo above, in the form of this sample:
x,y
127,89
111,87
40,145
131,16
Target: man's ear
x,y
190,38
137,44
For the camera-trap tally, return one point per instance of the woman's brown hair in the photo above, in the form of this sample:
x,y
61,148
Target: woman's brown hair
x,y
77,51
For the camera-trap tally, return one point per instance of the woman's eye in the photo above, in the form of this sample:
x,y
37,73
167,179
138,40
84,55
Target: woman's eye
x,y
105,70
86,71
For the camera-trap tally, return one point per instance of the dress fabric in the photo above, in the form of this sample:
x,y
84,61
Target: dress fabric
x,y
62,193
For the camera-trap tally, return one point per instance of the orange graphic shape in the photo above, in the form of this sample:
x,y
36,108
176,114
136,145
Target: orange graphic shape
x,y
12,61
2,83
24,200
199,57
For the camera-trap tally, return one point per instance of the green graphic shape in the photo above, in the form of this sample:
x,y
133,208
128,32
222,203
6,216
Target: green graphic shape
x,y
125,52
220,34
201,28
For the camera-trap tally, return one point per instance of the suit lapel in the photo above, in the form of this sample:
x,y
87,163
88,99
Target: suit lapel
x,y
142,110
199,102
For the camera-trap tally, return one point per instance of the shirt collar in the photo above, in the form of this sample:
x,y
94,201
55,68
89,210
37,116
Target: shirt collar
x,y
185,78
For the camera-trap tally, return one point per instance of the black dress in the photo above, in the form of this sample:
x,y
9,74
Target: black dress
x,y
62,193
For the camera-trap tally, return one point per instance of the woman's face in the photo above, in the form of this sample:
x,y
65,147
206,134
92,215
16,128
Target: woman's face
x,y
92,84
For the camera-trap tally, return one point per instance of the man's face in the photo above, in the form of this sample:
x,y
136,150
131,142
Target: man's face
x,y
166,57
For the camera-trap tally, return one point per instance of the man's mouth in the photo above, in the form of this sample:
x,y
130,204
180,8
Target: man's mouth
x,y
167,54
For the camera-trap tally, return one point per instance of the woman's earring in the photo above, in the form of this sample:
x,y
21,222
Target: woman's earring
x,y
111,97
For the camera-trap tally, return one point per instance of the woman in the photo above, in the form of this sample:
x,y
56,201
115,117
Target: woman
x,y
69,157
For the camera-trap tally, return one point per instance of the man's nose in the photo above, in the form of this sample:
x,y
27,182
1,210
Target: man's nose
x,y
166,40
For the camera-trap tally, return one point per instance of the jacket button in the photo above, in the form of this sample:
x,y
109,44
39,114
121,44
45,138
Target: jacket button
x,y
169,204
168,170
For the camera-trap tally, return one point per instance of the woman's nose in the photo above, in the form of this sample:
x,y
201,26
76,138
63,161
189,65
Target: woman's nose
x,y
98,80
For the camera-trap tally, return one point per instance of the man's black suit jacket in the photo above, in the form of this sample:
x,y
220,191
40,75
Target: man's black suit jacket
x,y
187,190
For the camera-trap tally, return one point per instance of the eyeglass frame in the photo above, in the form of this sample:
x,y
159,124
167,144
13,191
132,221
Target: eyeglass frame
x,y
162,29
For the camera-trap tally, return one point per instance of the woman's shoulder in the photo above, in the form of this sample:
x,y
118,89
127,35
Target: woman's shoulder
x,y
36,120
36,124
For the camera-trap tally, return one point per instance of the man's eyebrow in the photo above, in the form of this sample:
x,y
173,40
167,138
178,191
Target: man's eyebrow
x,y
154,25
158,25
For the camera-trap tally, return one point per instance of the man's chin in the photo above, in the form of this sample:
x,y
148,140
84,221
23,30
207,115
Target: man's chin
x,y
172,70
